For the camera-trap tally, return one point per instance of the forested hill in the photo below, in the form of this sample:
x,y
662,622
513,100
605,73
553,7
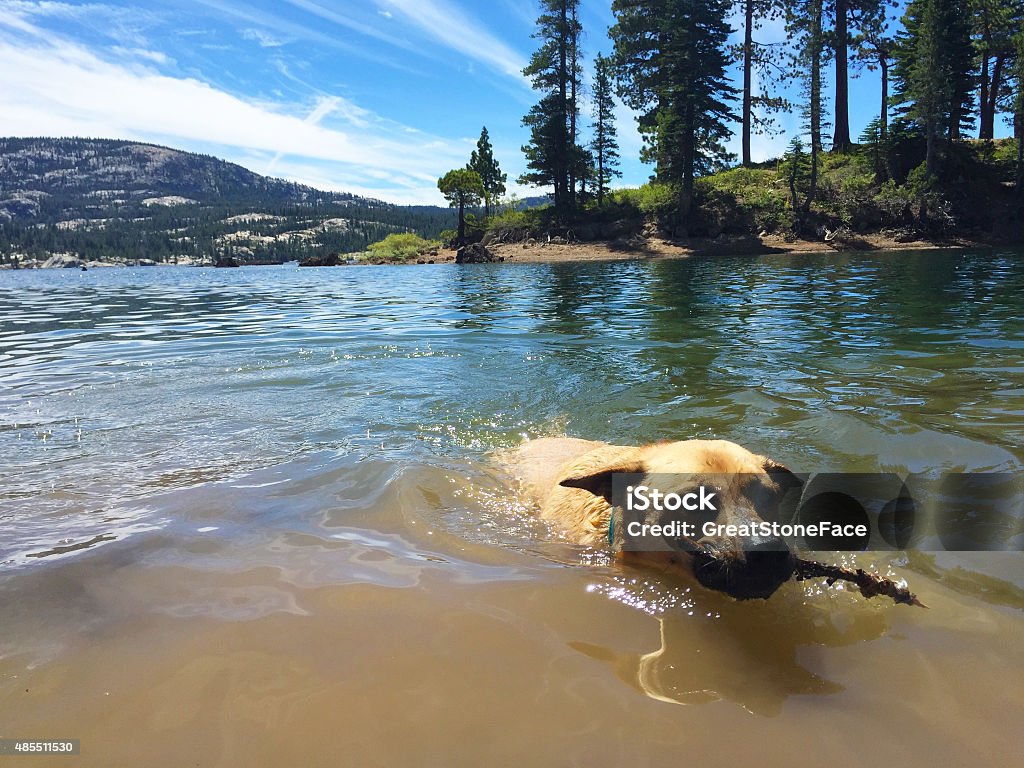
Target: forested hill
x,y
105,199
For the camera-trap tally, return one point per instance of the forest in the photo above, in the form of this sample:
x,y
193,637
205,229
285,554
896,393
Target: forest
x,y
111,200
928,163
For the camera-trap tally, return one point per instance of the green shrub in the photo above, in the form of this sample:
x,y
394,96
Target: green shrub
x,y
508,219
848,191
652,199
743,183
401,246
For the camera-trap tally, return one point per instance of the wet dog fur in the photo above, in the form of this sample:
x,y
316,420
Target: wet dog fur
x,y
570,482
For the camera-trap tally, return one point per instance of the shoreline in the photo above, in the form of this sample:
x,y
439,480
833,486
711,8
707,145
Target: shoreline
x,y
633,249
644,249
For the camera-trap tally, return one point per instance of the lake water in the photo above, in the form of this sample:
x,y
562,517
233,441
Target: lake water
x,y
247,517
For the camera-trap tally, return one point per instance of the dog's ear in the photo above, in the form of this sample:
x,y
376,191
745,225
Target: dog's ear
x,y
598,480
782,476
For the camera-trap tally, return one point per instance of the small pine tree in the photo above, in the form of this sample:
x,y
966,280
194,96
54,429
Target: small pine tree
x,y
875,148
482,161
605,146
796,170
463,189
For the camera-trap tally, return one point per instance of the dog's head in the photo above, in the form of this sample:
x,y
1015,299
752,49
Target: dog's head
x,y
749,489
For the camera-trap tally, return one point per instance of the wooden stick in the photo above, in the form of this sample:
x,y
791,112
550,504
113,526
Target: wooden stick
x,y
869,584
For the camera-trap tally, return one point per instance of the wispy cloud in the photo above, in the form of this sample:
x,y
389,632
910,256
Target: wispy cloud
x,y
456,30
126,25
274,24
261,38
53,86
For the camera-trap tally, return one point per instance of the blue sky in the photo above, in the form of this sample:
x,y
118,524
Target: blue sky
x,y
376,97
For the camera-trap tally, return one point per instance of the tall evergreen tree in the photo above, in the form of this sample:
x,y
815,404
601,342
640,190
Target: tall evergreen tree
x,y
482,161
805,23
671,61
605,146
1018,107
934,63
553,156
873,48
995,24
846,17
759,58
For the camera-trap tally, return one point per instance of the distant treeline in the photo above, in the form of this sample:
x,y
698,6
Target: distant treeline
x,y
117,200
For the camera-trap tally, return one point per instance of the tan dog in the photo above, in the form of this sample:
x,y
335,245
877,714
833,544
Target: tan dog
x,y
571,482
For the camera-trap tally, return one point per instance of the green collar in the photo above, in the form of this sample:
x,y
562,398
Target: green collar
x,y
611,530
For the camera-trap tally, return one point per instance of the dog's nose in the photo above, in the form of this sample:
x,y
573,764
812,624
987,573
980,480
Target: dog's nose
x,y
764,566
769,558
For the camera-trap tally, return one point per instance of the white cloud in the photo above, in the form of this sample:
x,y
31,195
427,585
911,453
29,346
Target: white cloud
x,y
248,15
52,86
157,57
261,38
344,20
115,22
450,26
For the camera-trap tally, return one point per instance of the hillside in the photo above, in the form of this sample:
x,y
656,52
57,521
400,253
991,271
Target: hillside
x,y
114,200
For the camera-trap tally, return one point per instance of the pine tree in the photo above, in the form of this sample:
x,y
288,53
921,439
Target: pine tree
x,y
1018,108
805,24
553,156
462,188
757,57
995,24
671,60
796,170
482,161
846,16
605,146
873,48
934,62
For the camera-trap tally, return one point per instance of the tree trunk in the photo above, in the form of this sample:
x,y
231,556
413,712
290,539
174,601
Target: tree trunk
x,y
841,141
462,222
563,99
883,119
929,155
748,55
815,112
984,130
883,115
689,150
988,109
1018,131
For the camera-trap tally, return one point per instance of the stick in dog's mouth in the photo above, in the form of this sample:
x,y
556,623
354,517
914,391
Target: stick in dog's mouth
x,y
869,584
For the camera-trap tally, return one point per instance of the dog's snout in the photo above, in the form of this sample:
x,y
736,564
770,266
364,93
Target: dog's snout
x,y
762,545
771,558
756,569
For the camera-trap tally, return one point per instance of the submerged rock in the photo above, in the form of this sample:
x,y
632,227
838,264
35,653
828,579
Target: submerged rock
x,y
330,260
474,253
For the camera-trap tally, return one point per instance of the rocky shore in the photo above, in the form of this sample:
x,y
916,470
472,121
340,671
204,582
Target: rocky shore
x,y
556,250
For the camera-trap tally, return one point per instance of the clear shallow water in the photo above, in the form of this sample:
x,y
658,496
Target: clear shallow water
x,y
211,478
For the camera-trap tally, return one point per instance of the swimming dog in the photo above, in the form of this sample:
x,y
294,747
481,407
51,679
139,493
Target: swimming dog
x,y
570,481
